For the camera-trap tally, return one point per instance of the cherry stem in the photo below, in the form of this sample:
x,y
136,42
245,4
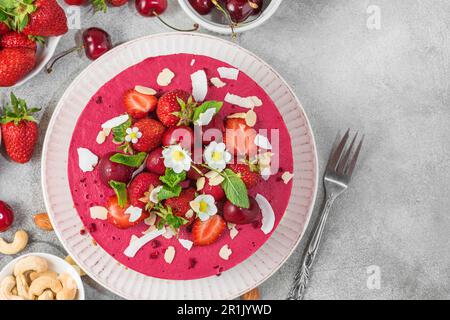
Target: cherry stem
x,y
195,27
50,64
232,24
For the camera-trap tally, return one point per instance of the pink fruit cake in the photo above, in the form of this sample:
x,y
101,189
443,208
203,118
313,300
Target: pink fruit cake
x,y
180,167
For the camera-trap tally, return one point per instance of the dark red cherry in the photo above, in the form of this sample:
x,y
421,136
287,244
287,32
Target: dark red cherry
x,y
202,6
113,171
6,216
240,10
96,42
148,8
234,214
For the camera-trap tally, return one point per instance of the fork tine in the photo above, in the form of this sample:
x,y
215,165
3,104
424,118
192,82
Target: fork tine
x,y
352,164
343,163
333,147
334,158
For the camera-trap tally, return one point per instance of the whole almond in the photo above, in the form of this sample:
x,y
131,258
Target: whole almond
x,y
42,221
251,295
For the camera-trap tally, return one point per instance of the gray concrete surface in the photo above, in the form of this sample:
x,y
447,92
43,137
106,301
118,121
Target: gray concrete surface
x,y
392,84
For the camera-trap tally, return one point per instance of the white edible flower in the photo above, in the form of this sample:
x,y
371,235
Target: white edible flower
x,y
216,156
205,117
153,197
133,135
177,158
204,206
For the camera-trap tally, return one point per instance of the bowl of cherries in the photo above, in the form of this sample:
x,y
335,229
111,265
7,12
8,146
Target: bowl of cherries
x,y
230,16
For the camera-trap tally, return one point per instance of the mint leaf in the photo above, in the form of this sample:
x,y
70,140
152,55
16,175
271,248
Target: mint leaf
x,y
171,178
119,132
235,189
134,161
120,189
205,106
167,192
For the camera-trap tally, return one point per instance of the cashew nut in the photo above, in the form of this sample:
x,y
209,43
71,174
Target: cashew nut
x,y
69,290
49,273
30,263
39,285
19,243
6,287
47,295
22,287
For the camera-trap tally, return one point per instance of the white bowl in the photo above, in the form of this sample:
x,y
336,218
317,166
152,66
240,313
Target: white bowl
x,y
207,23
43,56
54,263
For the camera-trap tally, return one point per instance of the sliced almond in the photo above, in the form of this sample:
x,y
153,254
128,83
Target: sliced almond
x,y
98,212
217,82
231,225
216,180
150,221
145,90
211,174
250,118
107,131
225,252
165,77
287,176
101,137
42,221
239,115
189,214
169,255
200,183
233,233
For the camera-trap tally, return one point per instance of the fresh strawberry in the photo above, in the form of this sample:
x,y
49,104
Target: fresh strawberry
x,y
215,191
3,28
138,105
118,217
250,178
152,132
180,205
48,20
17,40
19,130
239,137
207,232
140,185
15,63
75,2
117,3
169,110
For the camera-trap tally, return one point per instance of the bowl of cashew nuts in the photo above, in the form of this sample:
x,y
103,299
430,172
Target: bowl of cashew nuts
x,y
40,276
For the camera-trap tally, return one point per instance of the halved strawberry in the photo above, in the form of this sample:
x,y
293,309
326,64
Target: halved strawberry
x,y
118,217
138,105
250,178
239,137
180,205
140,185
152,133
207,232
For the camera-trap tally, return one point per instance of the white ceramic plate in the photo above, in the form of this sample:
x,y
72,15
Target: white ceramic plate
x,y
54,263
43,56
101,266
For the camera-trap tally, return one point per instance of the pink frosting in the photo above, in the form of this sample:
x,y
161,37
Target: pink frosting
x,y
87,189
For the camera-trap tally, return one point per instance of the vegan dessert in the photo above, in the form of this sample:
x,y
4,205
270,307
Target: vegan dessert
x,y
180,167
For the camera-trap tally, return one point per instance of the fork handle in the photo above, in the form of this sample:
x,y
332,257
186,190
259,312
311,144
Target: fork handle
x,y
303,273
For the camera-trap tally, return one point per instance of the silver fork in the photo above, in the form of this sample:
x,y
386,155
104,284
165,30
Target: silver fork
x,y
338,173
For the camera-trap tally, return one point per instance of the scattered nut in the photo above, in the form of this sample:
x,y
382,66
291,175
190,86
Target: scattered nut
x,y
19,243
42,221
251,295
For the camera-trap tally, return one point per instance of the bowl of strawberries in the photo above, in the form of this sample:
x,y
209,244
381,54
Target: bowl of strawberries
x,y
29,34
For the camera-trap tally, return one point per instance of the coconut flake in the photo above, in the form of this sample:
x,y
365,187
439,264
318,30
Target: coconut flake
x,y
150,229
243,102
262,142
268,216
101,137
169,255
98,212
137,244
231,225
165,77
216,82
168,234
205,117
228,73
186,243
266,173
134,212
192,62
115,122
86,160
150,221
286,177
133,238
225,252
200,183
199,85
233,233
145,90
